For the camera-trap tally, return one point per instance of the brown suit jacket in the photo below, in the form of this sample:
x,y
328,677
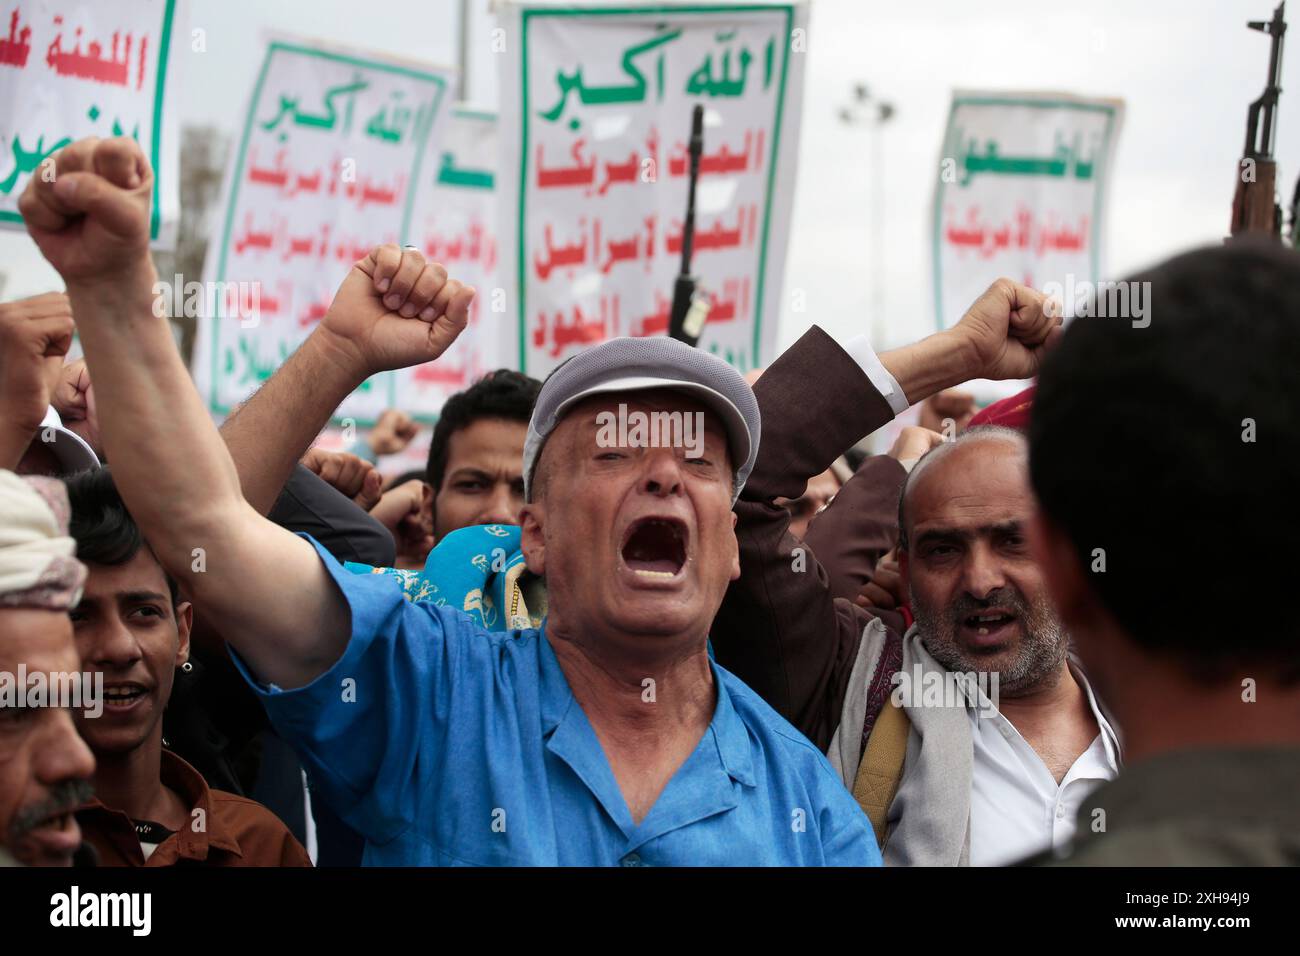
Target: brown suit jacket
x,y
781,627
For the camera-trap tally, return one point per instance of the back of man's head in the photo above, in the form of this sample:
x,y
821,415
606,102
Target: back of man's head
x,y
1168,453
503,394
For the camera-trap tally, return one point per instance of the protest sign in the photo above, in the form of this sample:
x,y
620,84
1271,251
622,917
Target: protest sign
x,y
455,223
594,170
72,70
1021,193
333,149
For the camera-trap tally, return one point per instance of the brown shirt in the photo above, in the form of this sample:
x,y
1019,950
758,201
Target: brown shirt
x,y
222,829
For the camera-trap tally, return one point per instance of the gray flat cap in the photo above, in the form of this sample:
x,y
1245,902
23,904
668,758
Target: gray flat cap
x,y
639,364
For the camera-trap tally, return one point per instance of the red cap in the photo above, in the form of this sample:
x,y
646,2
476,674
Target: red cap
x,y
1010,412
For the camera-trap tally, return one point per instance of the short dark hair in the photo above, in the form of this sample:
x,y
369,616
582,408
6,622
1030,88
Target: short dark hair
x,y
104,530
501,394
1167,445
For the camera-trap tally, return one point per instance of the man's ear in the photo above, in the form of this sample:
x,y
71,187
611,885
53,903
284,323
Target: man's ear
x,y
184,623
532,537
735,550
904,583
1066,579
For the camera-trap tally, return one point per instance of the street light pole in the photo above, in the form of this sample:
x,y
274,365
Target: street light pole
x,y
873,113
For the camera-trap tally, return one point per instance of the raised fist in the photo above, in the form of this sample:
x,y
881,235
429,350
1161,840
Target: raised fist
x,y
35,335
1009,328
392,433
395,309
89,212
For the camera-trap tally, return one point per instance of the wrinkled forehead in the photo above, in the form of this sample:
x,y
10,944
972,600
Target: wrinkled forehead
x,y
581,424
979,483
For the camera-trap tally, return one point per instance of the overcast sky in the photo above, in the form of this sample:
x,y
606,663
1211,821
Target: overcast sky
x,y
1186,70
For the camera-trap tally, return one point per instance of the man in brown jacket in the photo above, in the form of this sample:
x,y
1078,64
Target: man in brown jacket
x,y
828,665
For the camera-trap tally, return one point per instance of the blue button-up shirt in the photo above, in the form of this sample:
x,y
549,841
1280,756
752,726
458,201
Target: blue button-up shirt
x,y
445,744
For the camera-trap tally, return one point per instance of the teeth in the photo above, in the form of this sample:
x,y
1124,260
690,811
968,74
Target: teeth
x,y
983,630
654,574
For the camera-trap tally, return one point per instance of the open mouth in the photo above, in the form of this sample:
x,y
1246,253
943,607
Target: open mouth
x,y
989,623
655,547
122,696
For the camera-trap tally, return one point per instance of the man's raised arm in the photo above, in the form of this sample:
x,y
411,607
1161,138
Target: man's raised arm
x,y
260,585
366,330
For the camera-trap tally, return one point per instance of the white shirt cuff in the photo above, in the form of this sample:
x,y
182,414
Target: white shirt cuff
x,y
859,347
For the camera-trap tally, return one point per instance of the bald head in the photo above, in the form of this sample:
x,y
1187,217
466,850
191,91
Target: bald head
x,y
972,443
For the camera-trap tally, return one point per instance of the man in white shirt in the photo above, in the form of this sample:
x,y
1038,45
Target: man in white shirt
x,y
988,770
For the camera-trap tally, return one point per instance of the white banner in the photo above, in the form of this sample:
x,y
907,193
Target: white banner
x,y
1021,193
69,70
597,106
455,223
334,149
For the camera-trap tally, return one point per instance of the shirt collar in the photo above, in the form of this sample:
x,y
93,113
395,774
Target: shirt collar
x,y
570,736
727,729
203,829
1108,736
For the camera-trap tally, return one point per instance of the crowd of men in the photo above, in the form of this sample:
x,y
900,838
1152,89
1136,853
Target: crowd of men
x,y
566,643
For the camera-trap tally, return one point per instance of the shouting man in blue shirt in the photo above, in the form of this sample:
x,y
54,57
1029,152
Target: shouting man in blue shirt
x,y
605,737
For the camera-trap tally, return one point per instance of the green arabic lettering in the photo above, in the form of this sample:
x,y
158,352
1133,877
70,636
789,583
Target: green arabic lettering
x,y
27,161
633,92
449,175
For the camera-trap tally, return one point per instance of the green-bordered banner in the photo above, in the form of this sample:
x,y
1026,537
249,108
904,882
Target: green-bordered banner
x,y
1021,192
333,152
72,70
596,104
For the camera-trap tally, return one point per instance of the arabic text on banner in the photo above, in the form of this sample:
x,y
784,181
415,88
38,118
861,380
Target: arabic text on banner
x,y
332,153
72,70
455,223
594,170
1021,193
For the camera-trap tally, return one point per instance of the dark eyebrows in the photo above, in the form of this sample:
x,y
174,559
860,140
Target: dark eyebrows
x,y
142,597
1001,529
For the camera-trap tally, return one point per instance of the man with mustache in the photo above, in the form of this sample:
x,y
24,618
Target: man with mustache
x,y
151,808
952,772
45,767
607,737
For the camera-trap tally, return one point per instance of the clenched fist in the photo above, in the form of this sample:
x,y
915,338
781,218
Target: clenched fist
x,y
90,218
35,335
395,309
353,477
1009,328
392,433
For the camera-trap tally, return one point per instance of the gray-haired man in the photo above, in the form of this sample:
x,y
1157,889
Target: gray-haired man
x,y
605,737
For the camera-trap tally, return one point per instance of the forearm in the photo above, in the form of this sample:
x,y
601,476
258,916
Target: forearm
x,y
927,367
14,440
263,588
859,526
166,456
270,432
778,628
